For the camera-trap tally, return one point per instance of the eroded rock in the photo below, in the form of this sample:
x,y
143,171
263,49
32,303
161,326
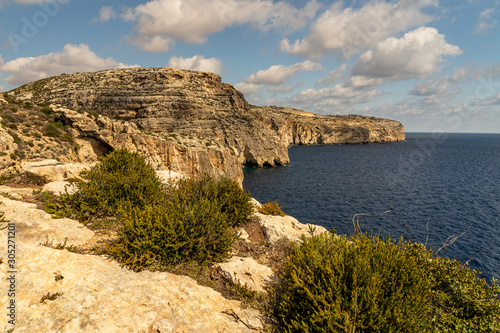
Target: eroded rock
x,y
247,272
287,227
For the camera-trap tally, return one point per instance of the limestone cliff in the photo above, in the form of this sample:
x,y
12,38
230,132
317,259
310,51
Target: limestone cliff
x,y
195,111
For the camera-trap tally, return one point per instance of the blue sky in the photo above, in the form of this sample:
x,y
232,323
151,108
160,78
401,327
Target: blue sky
x,y
432,65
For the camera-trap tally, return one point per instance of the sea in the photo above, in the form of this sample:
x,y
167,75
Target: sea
x,y
439,189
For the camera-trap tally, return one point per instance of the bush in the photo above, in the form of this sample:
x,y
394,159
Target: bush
x,y
333,284
271,208
194,222
121,179
461,301
229,197
47,111
173,233
52,131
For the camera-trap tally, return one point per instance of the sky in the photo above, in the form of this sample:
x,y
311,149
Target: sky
x,y
433,65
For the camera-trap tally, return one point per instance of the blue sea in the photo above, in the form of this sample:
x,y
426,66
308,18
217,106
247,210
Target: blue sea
x,y
436,186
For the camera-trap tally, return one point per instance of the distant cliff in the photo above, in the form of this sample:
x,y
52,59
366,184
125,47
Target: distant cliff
x,y
189,113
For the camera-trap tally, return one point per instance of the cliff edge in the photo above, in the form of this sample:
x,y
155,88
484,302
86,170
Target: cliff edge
x,y
190,122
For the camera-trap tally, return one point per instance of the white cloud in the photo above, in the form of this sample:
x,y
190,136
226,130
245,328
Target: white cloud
x,y
278,74
196,63
333,76
352,30
486,22
73,58
495,100
164,21
249,88
416,55
106,13
285,89
361,82
150,43
336,94
439,85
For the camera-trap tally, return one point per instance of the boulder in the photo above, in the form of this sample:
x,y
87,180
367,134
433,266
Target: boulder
x,y
247,272
287,227
169,176
95,294
53,170
59,187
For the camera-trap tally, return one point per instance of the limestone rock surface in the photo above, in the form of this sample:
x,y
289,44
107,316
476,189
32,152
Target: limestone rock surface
x,y
287,227
247,272
34,226
54,170
95,294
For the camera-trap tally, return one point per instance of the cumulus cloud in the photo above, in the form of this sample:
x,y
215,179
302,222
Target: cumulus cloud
x,y
333,76
352,30
106,13
439,85
361,82
196,63
191,21
73,58
285,89
278,74
486,22
416,55
249,88
337,94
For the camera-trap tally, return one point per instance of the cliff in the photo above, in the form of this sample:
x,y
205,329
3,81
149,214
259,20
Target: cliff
x,y
206,124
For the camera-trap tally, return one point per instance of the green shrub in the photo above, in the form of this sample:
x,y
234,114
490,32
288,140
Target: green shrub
x,y
14,136
52,131
461,300
229,197
121,179
193,222
362,284
173,232
47,111
271,208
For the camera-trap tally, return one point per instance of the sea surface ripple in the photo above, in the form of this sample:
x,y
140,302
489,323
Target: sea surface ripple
x,y
435,185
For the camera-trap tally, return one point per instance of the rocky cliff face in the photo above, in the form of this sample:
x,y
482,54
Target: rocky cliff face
x,y
171,112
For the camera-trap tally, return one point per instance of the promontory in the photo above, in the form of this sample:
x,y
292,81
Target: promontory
x,y
184,121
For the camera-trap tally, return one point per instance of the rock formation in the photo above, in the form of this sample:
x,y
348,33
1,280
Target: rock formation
x,y
175,114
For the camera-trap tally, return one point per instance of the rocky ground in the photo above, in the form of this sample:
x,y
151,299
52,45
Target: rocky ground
x,y
58,290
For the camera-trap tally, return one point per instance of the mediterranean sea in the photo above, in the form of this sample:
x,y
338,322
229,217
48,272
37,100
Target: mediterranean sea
x,y
436,185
